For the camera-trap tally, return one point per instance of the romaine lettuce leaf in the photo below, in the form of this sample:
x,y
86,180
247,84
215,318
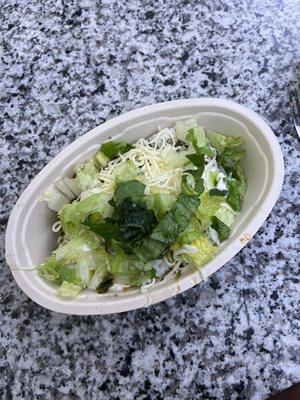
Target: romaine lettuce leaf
x,y
163,202
100,159
133,190
132,224
167,230
235,195
222,229
222,142
198,139
50,269
72,215
199,252
68,289
209,206
112,148
226,214
127,171
86,175
68,274
54,198
182,128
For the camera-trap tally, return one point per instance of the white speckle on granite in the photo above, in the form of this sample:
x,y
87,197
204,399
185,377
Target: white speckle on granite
x,y
66,67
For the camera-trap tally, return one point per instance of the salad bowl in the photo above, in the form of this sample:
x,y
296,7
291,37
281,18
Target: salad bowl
x,y
30,240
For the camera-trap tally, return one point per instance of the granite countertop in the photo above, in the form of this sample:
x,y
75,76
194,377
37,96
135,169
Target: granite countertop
x,y
65,68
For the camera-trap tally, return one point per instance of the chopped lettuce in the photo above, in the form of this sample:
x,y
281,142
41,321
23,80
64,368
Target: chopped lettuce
x,y
126,171
131,211
222,142
133,190
182,128
112,149
198,252
225,214
168,228
68,289
209,206
72,215
163,202
222,229
49,269
87,175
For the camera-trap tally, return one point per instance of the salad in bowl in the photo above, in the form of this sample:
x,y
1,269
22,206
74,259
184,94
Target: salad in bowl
x,y
134,214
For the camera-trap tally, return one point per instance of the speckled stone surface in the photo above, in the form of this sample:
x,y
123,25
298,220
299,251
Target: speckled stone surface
x,y
67,66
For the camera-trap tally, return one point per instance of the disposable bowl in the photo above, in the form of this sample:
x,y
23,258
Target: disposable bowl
x,y
29,238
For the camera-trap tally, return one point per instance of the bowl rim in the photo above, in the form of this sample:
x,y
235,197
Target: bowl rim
x,y
139,300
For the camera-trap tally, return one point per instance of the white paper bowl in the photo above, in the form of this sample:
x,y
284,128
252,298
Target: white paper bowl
x,y
29,239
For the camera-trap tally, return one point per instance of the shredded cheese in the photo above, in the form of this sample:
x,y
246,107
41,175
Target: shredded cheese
x,y
153,156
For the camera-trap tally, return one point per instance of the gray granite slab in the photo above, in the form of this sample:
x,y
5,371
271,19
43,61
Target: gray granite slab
x,y
67,66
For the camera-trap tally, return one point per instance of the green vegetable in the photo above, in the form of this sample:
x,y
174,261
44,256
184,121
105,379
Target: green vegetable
x,y
199,252
127,171
175,196
175,220
235,195
169,227
72,215
135,221
197,160
222,229
69,275
198,139
223,142
133,190
106,283
217,192
108,230
112,148
208,207
163,202
68,289
100,159
225,214
49,269
182,128
86,175
149,250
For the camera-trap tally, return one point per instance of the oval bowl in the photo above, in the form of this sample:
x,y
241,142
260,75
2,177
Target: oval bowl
x,y
29,238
